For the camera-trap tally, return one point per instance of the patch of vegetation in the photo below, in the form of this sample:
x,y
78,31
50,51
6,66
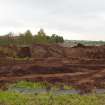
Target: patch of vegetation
x,y
31,85
38,85
8,98
28,38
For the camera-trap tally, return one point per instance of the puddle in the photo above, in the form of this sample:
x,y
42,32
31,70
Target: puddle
x,y
56,92
100,91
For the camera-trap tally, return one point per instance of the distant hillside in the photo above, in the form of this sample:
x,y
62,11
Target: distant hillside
x,y
71,43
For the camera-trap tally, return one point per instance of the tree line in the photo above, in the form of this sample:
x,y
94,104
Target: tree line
x,y
27,38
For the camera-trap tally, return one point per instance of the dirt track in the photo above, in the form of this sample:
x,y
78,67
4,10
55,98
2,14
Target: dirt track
x,y
83,67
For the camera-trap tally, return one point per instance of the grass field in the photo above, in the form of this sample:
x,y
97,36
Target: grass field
x,y
16,98
8,98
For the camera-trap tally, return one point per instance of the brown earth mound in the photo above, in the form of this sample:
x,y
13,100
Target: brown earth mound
x,y
45,51
81,66
79,51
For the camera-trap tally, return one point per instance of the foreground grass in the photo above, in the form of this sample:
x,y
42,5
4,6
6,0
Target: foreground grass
x,y
8,98
14,98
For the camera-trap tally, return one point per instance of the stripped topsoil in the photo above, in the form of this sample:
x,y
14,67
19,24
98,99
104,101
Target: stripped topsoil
x,y
80,66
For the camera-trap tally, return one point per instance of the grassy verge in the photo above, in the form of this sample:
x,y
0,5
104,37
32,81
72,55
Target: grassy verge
x,y
8,98
14,98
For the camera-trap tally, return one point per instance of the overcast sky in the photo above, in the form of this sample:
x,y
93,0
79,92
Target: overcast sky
x,y
74,19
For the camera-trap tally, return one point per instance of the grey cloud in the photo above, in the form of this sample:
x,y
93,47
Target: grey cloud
x,y
83,17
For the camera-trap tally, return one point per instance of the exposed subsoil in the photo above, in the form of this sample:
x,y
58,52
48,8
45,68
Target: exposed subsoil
x,y
80,66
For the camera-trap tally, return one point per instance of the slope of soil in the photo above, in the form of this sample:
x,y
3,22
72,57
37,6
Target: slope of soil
x,y
81,66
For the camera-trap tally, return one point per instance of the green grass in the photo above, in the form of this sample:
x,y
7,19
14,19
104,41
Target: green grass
x,y
15,98
8,98
38,85
32,85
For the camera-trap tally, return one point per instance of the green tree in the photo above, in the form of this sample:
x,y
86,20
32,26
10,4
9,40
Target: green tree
x,y
20,39
28,37
41,37
9,38
57,39
41,32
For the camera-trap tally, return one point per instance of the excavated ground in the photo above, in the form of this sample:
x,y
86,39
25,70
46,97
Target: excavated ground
x,y
80,66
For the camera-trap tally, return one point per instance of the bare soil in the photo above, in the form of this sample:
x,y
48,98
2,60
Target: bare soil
x,y
80,66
